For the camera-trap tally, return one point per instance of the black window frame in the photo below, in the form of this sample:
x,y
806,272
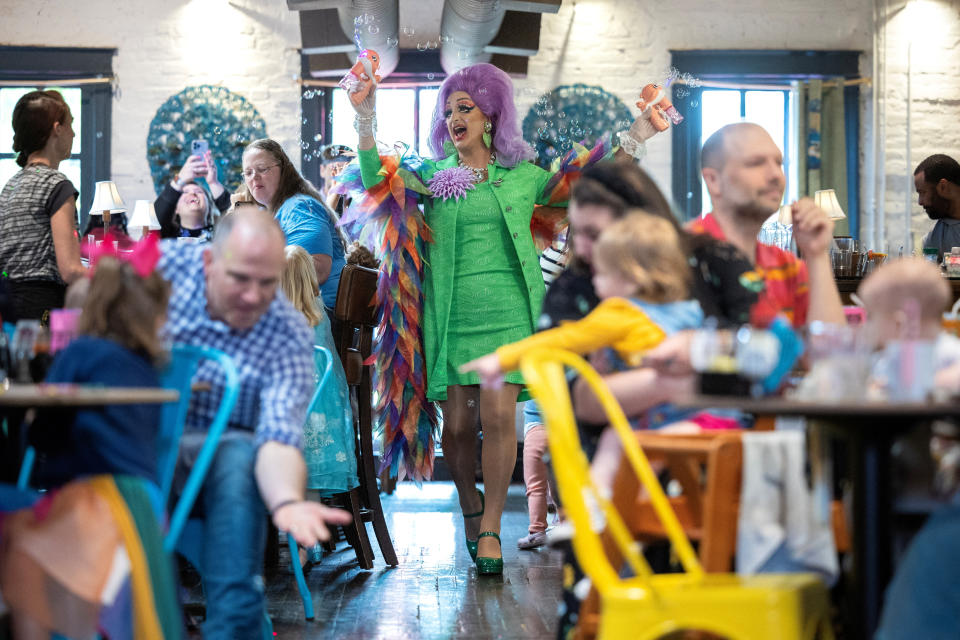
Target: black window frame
x,y
418,71
771,67
40,66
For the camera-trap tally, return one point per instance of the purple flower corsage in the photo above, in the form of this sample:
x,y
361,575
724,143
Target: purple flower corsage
x,y
451,183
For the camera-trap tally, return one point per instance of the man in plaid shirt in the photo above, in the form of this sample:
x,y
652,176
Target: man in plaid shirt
x,y
225,297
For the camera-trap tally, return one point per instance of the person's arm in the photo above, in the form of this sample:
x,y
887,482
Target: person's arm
x,y
637,390
220,195
322,264
813,231
65,244
606,325
281,476
165,205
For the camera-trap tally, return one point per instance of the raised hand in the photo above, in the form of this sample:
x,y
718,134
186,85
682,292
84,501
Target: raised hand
x,y
812,228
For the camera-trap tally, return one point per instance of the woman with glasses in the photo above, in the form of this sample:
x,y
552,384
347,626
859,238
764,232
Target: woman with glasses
x,y
276,184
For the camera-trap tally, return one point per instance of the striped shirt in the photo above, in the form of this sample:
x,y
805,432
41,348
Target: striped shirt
x,y
786,285
552,262
274,358
27,202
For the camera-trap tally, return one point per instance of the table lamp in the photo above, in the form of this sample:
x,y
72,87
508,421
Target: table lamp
x,y
144,217
827,200
106,200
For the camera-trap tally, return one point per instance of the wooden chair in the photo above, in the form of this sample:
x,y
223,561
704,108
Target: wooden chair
x,y
354,322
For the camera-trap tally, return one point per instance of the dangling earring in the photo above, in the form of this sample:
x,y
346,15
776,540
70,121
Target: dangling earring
x,y
487,138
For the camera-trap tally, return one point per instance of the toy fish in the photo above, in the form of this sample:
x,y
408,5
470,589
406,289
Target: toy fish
x,y
367,64
662,111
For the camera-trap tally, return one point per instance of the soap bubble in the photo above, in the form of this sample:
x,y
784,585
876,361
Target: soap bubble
x,y
421,46
392,42
373,29
431,76
408,31
318,137
99,134
217,131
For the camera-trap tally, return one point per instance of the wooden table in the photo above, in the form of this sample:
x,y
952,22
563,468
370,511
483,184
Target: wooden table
x,y
17,398
869,428
71,395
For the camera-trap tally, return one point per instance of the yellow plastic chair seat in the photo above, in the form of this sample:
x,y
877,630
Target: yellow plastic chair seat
x,y
782,606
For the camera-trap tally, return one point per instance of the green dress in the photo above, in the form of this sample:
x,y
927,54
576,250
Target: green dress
x,y
482,286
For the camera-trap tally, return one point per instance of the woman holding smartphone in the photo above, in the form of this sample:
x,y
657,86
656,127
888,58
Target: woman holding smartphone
x,y
184,207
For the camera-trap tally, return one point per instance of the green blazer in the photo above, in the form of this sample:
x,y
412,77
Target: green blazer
x,y
516,189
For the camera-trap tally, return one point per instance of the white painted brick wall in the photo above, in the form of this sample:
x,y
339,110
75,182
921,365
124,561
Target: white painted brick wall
x,y
930,33
250,48
162,46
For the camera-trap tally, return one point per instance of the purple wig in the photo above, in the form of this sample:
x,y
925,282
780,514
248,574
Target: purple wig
x,y
492,91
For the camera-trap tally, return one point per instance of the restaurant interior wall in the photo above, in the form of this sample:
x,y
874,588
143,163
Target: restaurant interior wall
x,y
251,48
246,46
919,110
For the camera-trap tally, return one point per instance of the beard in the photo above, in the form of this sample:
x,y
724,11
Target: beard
x,y
938,209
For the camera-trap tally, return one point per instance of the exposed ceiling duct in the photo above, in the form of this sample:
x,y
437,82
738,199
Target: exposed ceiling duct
x,y
374,24
467,27
434,35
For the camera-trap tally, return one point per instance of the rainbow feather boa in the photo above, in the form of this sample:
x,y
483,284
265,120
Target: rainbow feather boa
x,y
387,218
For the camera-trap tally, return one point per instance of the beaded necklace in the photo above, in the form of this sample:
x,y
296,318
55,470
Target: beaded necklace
x,y
479,175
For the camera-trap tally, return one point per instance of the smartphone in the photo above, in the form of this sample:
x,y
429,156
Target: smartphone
x,y
199,148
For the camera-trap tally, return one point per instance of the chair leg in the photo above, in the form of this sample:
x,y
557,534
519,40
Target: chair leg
x,y
356,531
301,582
367,473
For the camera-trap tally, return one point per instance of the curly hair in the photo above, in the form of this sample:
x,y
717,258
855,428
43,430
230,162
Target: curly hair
x,y
492,91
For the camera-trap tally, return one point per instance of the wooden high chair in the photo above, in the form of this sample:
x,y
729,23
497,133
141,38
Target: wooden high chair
x,y
648,606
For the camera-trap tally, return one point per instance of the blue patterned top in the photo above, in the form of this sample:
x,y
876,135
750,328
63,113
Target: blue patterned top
x,y
274,358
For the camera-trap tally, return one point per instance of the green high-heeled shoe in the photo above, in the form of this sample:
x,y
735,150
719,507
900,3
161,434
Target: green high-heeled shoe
x,y
472,544
489,566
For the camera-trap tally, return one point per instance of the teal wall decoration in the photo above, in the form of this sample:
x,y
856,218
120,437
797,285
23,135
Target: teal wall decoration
x,y
226,120
572,113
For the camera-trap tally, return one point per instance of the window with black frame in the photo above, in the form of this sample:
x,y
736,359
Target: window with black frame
x,y
84,77
754,86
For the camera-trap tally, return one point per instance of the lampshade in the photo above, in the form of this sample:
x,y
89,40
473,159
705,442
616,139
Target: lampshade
x,y
143,215
827,200
106,198
785,214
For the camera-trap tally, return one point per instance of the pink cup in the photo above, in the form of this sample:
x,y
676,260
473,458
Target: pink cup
x,y
63,327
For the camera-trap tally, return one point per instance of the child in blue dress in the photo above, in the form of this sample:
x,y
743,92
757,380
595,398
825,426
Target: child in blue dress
x,y
328,436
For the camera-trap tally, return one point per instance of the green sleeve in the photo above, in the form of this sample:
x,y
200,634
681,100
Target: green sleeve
x,y
370,167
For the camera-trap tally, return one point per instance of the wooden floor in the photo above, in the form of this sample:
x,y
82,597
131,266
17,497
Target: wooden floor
x,y
435,592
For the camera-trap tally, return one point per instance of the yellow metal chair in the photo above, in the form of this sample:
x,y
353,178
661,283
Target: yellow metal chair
x,y
648,606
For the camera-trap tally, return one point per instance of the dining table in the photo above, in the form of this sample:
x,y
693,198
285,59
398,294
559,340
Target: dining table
x,y
869,428
16,399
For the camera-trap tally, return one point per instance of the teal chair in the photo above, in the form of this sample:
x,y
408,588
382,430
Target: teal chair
x,y
327,358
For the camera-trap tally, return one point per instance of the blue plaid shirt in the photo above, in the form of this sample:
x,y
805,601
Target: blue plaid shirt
x,y
274,358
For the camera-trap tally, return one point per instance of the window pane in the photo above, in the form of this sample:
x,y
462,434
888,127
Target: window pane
x,y
394,117
71,168
719,108
428,101
8,167
8,100
342,129
766,108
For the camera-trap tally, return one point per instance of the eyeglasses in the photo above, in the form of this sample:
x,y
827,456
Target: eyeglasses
x,y
257,171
